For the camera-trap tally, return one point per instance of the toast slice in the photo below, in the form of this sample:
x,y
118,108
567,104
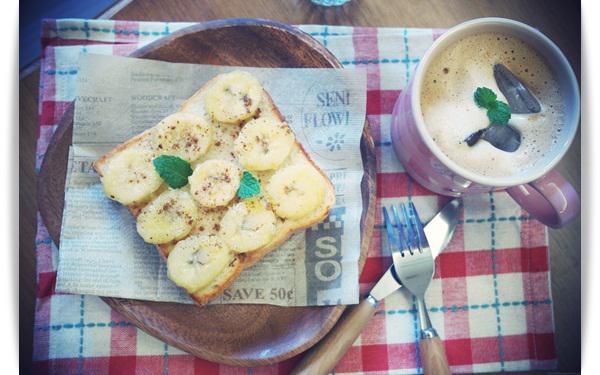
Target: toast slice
x,y
207,235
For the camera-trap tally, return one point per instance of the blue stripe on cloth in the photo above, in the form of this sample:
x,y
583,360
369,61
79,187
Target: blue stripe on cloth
x,y
457,308
495,282
380,61
57,327
86,28
326,33
417,336
406,56
81,332
166,360
61,72
114,31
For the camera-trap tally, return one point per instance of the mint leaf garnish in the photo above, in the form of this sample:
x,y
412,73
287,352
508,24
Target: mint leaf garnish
x,y
249,186
485,98
500,114
173,170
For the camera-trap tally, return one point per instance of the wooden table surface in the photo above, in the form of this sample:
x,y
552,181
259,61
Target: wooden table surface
x,y
558,19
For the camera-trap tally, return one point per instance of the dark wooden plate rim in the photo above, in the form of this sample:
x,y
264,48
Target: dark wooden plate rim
x,y
234,22
65,129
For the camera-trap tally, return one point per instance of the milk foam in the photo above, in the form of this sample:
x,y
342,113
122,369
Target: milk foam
x,y
451,114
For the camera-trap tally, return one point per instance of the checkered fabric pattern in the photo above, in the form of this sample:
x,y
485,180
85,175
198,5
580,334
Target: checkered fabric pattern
x,y
490,298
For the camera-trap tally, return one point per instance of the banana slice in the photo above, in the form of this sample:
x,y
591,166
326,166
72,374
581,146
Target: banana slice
x,y
183,134
171,216
263,144
130,176
234,97
215,182
196,261
247,226
295,191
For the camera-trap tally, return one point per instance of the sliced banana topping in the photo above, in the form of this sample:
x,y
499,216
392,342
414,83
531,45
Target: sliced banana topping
x,y
196,261
248,225
215,182
295,191
234,97
263,144
130,177
171,216
183,134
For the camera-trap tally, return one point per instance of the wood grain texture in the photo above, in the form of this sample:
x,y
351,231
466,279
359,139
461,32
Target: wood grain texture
x,y
323,358
246,335
433,357
558,19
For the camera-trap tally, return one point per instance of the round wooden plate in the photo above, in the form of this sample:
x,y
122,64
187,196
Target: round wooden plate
x,y
245,335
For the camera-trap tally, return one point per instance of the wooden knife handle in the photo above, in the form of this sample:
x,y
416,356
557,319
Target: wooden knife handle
x,y
323,357
433,357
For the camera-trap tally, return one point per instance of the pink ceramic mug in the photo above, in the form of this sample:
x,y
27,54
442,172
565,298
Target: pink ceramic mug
x,y
540,190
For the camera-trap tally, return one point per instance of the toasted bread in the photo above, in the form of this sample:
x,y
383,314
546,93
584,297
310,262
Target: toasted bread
x,y
208,220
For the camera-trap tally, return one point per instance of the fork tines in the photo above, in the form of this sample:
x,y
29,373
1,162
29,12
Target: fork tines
x,y
410,234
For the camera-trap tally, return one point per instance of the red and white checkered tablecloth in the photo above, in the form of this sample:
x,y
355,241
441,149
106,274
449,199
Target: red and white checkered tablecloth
x,y
490,298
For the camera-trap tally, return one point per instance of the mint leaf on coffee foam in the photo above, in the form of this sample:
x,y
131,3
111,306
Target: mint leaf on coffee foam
x,y
497,111
485,98
500,114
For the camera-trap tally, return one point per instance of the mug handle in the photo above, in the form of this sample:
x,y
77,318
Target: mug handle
x,y
550,198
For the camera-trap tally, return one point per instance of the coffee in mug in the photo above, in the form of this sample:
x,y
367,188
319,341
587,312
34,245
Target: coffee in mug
x,y
451,113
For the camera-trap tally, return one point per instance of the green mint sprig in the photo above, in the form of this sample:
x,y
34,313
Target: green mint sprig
x,y
249,186
497,111
173,170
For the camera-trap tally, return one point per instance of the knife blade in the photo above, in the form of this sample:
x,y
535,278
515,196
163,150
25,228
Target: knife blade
x,y
439,231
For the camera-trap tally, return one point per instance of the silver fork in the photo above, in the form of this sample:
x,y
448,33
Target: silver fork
x,y
414,265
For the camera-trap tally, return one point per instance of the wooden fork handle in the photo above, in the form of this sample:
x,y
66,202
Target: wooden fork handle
x,y
323,357
433,357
